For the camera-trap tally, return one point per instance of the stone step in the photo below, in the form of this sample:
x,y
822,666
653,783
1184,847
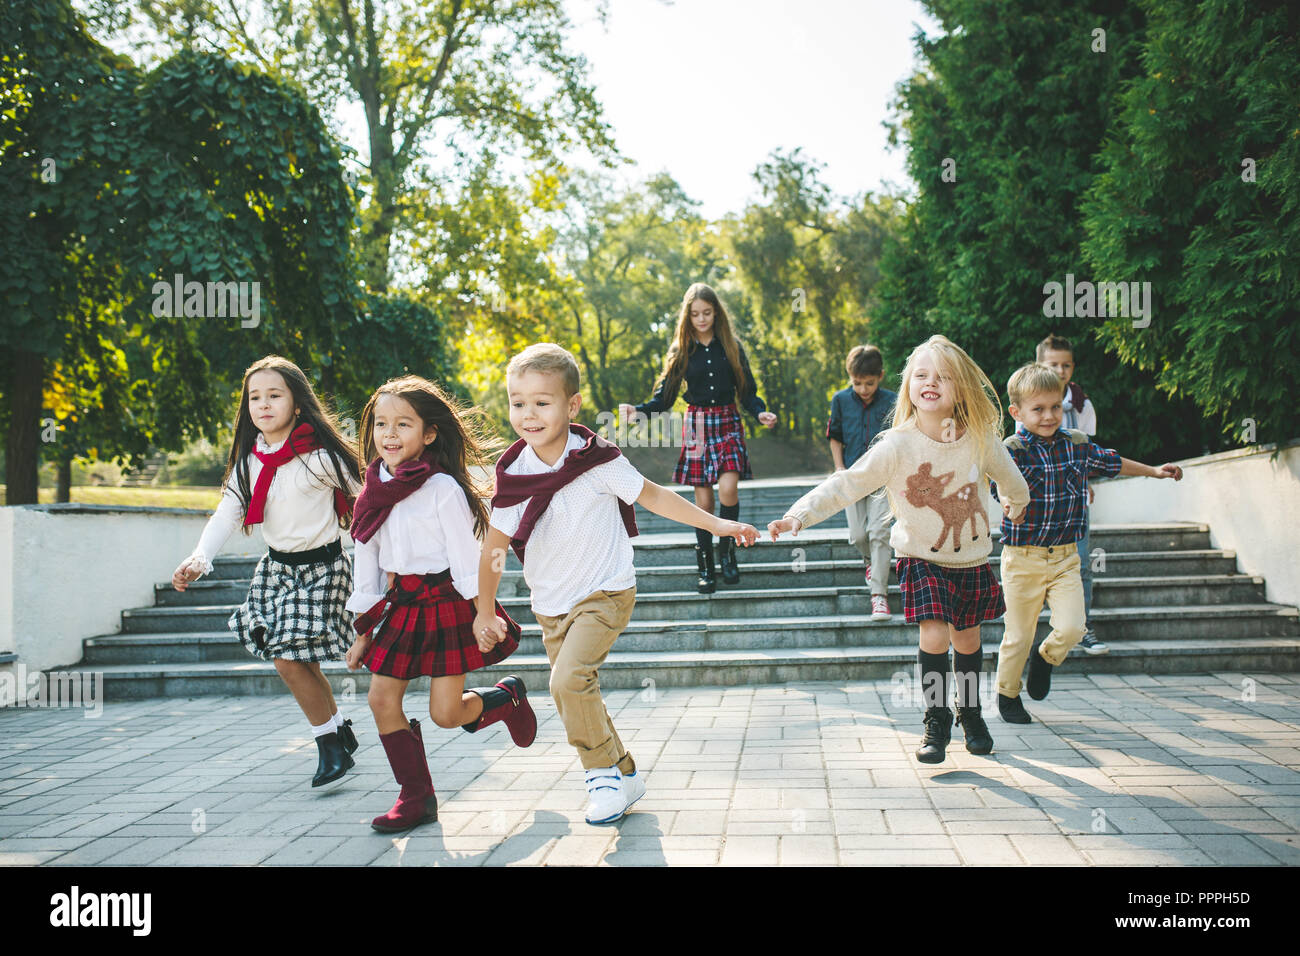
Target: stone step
x,y
626,668
1225,622
823,544
757,603
1199,567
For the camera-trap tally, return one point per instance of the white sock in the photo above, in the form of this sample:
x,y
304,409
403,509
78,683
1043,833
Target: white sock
x,y
338,720
326,728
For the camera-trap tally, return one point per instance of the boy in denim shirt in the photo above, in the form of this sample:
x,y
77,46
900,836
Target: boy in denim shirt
x,y
858,414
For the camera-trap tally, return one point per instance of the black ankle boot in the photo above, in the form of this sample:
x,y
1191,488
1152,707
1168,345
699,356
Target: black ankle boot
x,y
335,761
938,734
1012,710
704,560
978,738
727,560
348,737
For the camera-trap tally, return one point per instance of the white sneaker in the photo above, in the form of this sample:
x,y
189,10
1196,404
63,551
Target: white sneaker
x,y
611,794
879,608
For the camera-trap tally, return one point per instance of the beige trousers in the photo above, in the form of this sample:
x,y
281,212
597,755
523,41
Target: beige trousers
x,y
1030,576
869,520
577,644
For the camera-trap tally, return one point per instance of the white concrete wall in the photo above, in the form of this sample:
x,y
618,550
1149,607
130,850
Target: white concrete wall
x,y
1250,500
68,571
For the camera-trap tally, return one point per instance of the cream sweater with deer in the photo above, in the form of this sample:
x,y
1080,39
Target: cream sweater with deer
x,y
939,497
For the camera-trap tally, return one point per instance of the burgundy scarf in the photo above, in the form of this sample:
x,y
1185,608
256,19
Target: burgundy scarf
x,y
1077,397
378,496
512,489
301,441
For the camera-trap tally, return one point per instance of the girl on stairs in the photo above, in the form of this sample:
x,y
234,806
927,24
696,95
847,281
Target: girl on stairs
x,y
417,524
293,473
935,462
707,355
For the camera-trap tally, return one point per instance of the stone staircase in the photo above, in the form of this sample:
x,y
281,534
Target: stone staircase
x,y
1166,603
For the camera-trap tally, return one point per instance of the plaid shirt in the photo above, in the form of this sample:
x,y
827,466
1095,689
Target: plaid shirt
x,y
1057,470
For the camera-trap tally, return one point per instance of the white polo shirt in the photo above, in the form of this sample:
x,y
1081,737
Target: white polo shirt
x,y
579,544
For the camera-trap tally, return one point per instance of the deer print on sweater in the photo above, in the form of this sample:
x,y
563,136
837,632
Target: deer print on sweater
x,y
925,490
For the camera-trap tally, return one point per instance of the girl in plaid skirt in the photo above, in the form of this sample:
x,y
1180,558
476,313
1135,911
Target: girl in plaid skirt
x,y
291,472
417,526
935,462
707,355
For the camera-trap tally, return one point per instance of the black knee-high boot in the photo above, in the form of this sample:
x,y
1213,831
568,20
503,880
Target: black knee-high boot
x,y
938,718
704,561
966,667
727,546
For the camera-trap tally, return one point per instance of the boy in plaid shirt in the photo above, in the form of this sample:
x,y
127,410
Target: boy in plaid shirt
x,y
1040,556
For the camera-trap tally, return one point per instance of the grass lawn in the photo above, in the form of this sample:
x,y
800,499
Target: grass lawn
x,y
205,498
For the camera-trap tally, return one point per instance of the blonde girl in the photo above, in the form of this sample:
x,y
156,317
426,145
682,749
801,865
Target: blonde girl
x,y
935,463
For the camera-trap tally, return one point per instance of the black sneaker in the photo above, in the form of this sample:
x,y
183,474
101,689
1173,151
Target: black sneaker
x,y
1039,681
1013,711
978,738
938,734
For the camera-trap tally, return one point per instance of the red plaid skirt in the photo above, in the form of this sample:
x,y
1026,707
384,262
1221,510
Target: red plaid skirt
x,y
964,597
429,631
713,442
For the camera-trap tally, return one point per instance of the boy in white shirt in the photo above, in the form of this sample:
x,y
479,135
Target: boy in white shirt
x,y
564,503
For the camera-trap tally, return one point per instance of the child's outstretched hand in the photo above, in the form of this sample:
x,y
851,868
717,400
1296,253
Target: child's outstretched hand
x,y
488,631
745,534
774,528
1016,519
190,570
1169,471
357,652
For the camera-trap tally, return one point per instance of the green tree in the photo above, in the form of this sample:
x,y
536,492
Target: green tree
x,y
1199,195
1003,125
117,181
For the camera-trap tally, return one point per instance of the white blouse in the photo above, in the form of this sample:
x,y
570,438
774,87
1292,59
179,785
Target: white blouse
x,y
299,513
428,531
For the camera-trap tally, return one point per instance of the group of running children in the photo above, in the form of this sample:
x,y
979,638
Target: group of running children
x,y
418,597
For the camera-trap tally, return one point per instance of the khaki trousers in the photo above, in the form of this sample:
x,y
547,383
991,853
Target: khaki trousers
x,y
1030,576
577,644
869,520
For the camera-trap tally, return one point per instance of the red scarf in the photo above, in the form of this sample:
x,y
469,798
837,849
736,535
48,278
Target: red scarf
x,y
301,441
512,489
377,497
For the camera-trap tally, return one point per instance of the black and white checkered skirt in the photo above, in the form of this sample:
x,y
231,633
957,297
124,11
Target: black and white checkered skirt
x,y
295,611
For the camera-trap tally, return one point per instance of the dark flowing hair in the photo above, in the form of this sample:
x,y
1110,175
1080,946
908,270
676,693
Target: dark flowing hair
x,y
463,440
684,340
342,453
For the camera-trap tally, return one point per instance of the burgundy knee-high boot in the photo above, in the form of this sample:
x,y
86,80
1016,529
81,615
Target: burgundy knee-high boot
x,y
507,701
417,802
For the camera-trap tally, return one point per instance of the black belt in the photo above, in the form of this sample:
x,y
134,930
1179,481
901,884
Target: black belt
x,y
327,552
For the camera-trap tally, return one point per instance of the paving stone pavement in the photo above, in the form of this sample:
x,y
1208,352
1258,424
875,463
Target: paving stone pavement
x,y
1116,770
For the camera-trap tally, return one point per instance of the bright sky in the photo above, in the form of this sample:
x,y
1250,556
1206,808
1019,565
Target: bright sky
x,y
706,89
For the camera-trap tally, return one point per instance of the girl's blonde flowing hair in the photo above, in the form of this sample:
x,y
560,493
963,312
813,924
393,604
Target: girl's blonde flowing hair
x,y
976,406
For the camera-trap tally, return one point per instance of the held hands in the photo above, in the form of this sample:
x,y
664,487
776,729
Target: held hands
x,y
792,525
489,631
1168,471
767,419
357,652
190,570
745,534
1017,519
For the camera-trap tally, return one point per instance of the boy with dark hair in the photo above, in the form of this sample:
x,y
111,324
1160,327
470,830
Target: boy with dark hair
x,y
858,414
